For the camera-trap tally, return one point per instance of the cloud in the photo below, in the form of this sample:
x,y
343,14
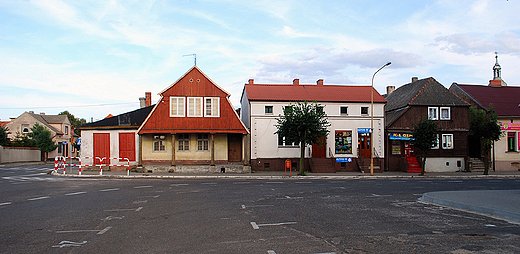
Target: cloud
x,y
467,44
322,62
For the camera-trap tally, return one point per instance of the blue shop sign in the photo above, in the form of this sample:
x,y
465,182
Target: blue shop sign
x,y
363,130
344,159
401,136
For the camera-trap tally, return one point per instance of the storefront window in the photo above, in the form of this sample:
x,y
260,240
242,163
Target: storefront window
x,y
511,141
396,147
343,142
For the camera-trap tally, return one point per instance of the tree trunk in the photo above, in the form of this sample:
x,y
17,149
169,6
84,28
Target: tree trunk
x,y
302,154
486,164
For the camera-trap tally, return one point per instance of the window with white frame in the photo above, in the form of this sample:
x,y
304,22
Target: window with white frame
x,y
194,106
66,130
184,142
283,142
436,145
364,110
447,141
25,128
177,106
212,105
433,113
445,113
202,142
159,143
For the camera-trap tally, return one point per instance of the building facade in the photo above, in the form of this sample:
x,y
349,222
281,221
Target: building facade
x,y
193,127
413,102
59,126
347,147
505,101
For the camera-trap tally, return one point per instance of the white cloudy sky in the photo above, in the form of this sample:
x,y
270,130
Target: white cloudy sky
x,y
95,58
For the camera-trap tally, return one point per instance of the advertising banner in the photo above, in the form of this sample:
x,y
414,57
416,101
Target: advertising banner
x,y
511,126
401,136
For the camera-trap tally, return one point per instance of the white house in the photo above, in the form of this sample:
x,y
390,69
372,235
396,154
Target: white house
x,y
347,147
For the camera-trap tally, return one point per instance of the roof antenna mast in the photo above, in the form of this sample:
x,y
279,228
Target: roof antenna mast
x,y
194,57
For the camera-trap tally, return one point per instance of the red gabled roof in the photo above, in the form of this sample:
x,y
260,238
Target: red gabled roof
x,y
319,93
4,123
193,83
505,99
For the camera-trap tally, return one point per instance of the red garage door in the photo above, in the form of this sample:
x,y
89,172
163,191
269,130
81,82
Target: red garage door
x,y
127,145
101,146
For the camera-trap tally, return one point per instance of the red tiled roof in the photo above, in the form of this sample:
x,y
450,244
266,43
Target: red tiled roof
x,y
505,99
2,124
320,93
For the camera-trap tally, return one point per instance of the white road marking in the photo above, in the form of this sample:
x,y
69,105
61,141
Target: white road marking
x,y
114,189
140,201
179,184
271,252
69,244
289,197
38,198
455,181
377,195
156,196
75,193
257,226
113,218
142,187
99,232
125,209
244,206
5,203
209,183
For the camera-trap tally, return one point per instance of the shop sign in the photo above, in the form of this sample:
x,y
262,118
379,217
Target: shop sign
x,y
511,126
363,130
401,136
344,159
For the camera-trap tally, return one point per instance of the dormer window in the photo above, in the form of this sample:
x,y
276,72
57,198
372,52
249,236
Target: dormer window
x,y
212,107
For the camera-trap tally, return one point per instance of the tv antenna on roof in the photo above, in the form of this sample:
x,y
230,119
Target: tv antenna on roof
x,y
194,57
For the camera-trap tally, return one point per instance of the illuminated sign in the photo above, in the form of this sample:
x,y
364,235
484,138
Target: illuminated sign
x,y
401,136
363,130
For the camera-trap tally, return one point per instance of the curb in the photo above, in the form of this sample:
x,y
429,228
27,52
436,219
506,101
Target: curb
x,y
277,177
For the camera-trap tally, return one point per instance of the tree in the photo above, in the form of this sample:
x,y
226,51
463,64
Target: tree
x,y
22,140
74,121
303,124
485,126
42,139
425,137
4,140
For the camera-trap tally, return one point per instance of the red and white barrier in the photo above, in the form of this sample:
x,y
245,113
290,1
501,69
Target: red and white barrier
x,y
113,165
60,162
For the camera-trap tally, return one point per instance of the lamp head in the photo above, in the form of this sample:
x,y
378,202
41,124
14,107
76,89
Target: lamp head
x,y
389,63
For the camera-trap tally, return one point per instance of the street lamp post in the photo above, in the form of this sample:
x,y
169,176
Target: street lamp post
x,y
372,120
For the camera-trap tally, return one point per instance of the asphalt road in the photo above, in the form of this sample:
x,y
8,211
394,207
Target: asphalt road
x,y
48,214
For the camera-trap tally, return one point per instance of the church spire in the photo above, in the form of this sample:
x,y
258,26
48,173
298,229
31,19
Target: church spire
x,y
497,79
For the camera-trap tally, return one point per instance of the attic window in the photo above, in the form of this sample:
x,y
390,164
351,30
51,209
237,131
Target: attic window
x,y
344,110
364,110
25,128
194,106
212,107
177,106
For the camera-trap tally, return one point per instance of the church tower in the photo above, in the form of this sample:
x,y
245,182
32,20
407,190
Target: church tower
x,y
497,80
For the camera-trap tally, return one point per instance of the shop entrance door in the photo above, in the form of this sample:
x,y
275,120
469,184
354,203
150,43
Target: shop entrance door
x,y
364,145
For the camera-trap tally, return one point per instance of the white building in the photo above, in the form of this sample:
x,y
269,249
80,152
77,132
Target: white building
x,y
347,147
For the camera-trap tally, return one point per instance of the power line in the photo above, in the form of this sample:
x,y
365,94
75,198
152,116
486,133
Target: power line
x,y
76,106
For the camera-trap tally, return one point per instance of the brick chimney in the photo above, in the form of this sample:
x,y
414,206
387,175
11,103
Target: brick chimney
x,y
319,82
148,100
251,81
414,79
296,82
389,90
